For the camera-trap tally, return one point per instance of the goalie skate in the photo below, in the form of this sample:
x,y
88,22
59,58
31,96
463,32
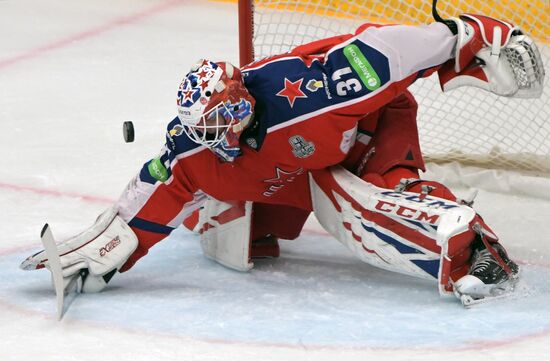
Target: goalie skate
x,y
488,278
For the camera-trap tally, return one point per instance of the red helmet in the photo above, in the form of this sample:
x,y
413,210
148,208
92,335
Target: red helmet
x,y
215,107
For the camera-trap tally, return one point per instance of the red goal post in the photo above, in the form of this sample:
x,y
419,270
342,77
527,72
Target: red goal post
x,y
466,125
246,31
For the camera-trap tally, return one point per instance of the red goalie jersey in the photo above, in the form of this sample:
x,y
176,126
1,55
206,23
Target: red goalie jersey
x,y
341,100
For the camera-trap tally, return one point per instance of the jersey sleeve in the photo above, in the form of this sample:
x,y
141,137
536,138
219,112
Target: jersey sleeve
x,y
410,49
365,72
161,196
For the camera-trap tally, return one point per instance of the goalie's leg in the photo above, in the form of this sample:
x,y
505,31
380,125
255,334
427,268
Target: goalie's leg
x,y
271,222
391,161
490,270
411,233
235,233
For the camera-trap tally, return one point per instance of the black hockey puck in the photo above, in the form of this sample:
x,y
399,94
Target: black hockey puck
x,y
128,131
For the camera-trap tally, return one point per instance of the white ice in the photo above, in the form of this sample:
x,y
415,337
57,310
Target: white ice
x,y
70,74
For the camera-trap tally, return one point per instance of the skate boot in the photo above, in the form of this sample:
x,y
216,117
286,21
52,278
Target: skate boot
x,y
492,273
265,247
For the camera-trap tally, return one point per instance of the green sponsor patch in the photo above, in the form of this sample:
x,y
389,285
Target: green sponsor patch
x,y
362,67
157,170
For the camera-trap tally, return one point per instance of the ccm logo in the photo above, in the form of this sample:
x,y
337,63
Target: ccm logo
x,y
109,246
418,198
406,212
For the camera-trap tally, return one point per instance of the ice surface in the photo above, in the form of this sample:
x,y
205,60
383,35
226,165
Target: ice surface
x,y
70,74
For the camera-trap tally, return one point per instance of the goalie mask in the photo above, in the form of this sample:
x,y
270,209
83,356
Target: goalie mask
x,y
215,107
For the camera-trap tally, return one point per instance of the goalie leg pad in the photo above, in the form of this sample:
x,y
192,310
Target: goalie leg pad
x,y
100,251
418,235
225,229
233,233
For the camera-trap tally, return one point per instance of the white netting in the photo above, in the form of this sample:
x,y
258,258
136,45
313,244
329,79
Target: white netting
x,y
466,124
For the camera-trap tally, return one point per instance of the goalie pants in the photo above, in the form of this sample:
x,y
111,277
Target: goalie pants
x,y
387,150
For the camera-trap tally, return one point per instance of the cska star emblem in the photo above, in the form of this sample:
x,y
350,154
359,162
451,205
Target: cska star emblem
x,y
282,177
292,90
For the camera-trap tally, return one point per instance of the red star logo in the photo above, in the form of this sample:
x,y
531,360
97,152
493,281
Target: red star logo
x,y
188,95
203,85
292,90
204,73
284,176
203,76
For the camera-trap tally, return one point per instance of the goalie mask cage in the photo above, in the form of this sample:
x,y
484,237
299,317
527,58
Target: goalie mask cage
x,y
467,125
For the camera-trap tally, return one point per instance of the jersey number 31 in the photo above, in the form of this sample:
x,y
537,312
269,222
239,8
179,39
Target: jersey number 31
x,y
344,86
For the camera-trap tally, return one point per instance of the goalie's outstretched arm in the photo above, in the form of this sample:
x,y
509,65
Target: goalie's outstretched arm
x,y
153,204
469,50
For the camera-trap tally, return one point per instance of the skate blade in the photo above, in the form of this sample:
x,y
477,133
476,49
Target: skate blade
x,y
509,292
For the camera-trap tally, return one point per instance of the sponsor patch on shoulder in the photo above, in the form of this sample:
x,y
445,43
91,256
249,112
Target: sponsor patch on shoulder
x,y
157,170
362,67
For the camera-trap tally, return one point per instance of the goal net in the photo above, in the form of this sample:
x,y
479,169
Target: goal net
x,y
467,125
